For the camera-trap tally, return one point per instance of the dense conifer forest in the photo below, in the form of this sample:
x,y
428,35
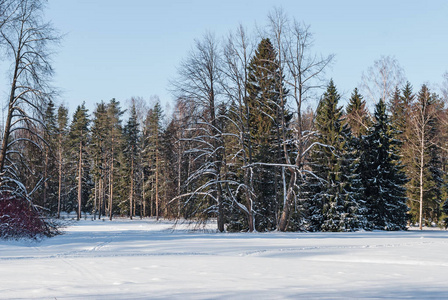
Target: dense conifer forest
x,y
259,138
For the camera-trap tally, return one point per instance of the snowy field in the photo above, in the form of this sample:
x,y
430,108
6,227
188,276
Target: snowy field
x,y
145,259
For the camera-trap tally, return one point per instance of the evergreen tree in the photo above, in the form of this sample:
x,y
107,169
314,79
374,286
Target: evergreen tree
x,y
336,196
171,182
98,151
131,153
382,175
153,157
49,163
268,118
357,115
113,143
400,109
445,211
62,135
78,141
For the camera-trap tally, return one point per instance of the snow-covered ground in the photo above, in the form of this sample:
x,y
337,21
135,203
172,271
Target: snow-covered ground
x,y
145,259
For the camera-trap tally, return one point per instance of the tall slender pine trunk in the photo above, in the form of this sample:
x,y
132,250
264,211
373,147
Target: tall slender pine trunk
x,y
111,183
131,196
157,178
80,180
60,178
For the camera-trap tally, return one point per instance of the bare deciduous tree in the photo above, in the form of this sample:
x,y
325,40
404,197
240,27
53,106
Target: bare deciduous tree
x,y
237,53
444,87
198,81
303,72
381,79
27,39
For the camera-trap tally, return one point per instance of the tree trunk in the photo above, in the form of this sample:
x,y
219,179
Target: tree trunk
x,y
151,200
95,201
179,178
131,196
80,180
220,209
100,203
284,219
143,196
46,179
60,179
420,219
111,183
157,180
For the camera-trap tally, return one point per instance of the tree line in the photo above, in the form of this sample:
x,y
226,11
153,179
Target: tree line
x,y
240,146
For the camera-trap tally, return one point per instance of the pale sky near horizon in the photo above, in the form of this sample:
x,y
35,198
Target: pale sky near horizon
x,y
120,49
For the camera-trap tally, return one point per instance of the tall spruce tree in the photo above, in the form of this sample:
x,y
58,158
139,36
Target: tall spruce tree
x,y
400,109
50,165
336,196
357,115
268,118
382,175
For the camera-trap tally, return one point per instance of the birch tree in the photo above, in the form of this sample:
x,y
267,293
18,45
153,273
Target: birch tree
x,y
27,40
381,79
422,142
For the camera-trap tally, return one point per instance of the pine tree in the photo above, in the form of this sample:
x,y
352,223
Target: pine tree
x,y
335,203
131,153
169,153
98,151
382,175
78,140
153,156
113,144
62,135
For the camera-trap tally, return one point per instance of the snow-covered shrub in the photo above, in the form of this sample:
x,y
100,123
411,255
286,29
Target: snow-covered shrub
x,y
20,219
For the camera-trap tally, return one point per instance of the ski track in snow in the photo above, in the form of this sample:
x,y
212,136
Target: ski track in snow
x,y
103,260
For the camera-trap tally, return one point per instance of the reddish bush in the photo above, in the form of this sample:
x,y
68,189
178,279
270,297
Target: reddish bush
x,y
19,218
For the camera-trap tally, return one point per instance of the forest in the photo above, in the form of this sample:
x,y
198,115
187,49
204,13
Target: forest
x,y
259,139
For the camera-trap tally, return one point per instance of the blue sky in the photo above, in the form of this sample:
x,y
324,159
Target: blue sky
x,y
119,49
